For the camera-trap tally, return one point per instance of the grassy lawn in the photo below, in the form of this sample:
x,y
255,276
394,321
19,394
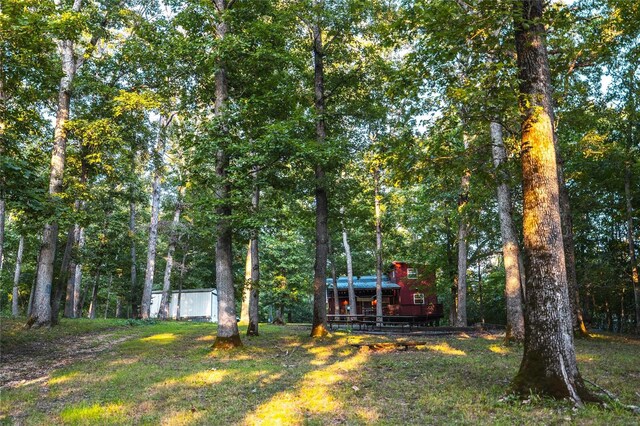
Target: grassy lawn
x,y
166,373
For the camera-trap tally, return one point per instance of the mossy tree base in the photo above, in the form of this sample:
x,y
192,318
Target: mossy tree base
x,y
535,377
226,343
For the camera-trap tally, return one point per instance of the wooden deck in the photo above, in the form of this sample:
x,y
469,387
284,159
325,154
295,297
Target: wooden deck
x,y
402,323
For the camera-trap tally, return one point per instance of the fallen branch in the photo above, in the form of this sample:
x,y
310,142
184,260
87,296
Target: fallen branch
x,y
633,408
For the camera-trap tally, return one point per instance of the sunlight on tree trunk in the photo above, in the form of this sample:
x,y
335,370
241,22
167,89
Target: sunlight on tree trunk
x,y
549,360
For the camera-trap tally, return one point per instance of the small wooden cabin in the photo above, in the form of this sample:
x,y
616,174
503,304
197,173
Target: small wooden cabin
x,y
407,290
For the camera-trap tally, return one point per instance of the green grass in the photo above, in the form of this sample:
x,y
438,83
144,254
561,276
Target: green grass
x,y
166,373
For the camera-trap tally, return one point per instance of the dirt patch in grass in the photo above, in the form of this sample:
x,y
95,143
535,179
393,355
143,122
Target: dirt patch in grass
x,y
32,361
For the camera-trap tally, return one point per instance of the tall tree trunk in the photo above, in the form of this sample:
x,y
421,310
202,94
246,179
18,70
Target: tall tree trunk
x,y
579,329
353,308
463,231
77,277
33,289
246,290
228,335
134,268
2,221
254,294
635,281
453,277
252,329
334,282
94,295
180,282
378,219
319,324
62,278
510,247
15,311
153,226
41,313
133,295
630,143
41,310
549,361
164,312
71,275
106,305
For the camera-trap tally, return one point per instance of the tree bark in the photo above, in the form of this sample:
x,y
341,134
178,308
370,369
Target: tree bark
x,y
180,282
106,305
71,275
15,311
452,273
164,312
510,247
334,282
2,222
353,307
378,219
633,261
132,235
62,278
635,281
254,294
228,335
77,277
153,226
549,361
41,310
463,231
94,296
319,324
134,277
579,329
246,290
252,329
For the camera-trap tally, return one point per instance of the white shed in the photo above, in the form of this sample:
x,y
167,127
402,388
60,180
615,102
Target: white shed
x,y
195,304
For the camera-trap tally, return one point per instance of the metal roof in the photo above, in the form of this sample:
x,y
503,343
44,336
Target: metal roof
x,y
365,282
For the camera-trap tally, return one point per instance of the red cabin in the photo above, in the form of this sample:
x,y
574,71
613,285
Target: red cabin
x,y
407,291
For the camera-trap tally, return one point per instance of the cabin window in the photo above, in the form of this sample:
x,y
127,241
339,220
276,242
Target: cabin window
x,y
412,273
418,299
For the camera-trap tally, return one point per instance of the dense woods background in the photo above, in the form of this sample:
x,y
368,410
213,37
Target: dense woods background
x,y
412,93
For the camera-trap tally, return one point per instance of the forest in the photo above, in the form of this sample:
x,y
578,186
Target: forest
x,y
263,147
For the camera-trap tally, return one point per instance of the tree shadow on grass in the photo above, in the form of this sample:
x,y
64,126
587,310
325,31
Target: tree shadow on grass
x,y
169,375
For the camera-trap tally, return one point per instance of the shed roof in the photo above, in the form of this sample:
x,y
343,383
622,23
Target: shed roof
x,y
364,282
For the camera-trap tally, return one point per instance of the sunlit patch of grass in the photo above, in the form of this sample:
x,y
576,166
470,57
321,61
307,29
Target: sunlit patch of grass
x,y
274,379
499,349
491,336
584,358
63,378
446,349
183,417
124,361
84,414
162,338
